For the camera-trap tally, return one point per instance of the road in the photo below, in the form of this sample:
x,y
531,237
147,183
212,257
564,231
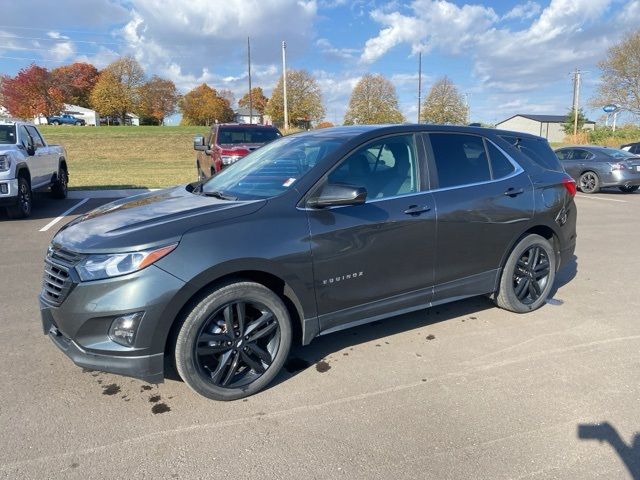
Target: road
x,y
456,392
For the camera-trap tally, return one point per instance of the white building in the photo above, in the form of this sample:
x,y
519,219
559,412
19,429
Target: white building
x,y
547,126
244,115
90,117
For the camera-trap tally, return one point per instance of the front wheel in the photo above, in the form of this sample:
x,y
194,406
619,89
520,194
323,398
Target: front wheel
x,y
528,275
628,188
22,207
55,122
234,341
589,182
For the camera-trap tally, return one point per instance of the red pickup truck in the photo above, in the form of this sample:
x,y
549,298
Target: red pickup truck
x,y
227,143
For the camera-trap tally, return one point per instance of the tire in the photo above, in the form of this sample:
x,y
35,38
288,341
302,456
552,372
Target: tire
x,y
55,122
589,182
59,189
78,124
628,188
517,292
201,177
24,201
206,355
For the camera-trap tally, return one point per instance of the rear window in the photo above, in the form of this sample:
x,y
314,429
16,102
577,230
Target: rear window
x,y
7,134
231,136
537,150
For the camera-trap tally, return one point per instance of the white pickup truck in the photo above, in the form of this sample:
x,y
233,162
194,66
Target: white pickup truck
x,y
28,163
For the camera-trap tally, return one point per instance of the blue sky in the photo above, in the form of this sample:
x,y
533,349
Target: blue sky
x,y
509,57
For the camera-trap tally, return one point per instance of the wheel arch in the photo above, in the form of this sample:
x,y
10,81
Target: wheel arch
x,y
544,231
22,170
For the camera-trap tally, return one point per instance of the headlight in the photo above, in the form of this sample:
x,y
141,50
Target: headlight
x,y
97,267
5,163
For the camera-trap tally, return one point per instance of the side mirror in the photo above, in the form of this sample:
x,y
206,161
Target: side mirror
x,y
338,194
30,148
198,143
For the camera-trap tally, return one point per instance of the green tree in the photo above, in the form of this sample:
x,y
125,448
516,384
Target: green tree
x,y
373,100
117,91
444,104
158,99
567,126
304,99
620,75
259,101
203,106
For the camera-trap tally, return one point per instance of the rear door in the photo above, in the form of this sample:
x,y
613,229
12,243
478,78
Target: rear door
x,y
45,157
378,257
483,198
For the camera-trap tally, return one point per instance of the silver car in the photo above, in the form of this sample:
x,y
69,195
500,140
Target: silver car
x,y
594,167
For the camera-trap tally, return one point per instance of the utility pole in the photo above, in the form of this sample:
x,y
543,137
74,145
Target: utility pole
x,y
466,107
576,102
284,85
419,83
249,68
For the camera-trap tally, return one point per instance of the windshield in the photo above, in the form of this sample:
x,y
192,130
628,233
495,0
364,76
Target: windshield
x,y
615,153
7,134
231,136
272,169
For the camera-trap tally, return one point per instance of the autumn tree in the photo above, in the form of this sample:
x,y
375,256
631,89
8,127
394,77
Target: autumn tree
x,y
76,81
304,99
325,125
620,75
204,106
117,91
444,104
258,100
228,96
373,100
158,99
32,92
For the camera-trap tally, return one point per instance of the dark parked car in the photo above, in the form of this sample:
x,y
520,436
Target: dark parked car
x,y
66,119
594,167
313,233
631,148
227,143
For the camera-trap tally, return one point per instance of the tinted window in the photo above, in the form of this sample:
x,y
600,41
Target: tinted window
x,y
7,134
272,169
385,168
537,150
230,136
460,159
35,136
500,165
563,154
580,155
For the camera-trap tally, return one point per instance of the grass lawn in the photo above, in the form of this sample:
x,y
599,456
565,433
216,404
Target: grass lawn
x,y
126,157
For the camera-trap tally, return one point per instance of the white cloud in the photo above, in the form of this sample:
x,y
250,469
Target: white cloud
x,y
57,35
523,11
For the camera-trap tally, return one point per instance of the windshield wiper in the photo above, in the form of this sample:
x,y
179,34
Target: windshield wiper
x,y
220,195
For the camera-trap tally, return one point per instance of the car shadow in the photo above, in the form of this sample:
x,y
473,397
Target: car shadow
x,y
566,274
605,432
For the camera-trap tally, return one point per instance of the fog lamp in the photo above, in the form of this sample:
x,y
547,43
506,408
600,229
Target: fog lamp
x,y
123,329
4,188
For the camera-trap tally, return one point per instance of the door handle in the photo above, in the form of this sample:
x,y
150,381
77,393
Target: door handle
x,y
417,209
513,192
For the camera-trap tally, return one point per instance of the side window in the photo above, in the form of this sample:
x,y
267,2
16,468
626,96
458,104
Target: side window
x,y
460,159
37,139
385,168
564,154
500,165
538,150
580,155
24,136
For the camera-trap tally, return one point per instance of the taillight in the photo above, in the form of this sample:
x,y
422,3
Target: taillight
x,y
618,166
570,184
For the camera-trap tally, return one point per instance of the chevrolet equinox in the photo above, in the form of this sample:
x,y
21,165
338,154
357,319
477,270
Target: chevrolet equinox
x,y
313,233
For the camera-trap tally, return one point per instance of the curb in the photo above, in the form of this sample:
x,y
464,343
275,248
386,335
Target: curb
x,y
128,192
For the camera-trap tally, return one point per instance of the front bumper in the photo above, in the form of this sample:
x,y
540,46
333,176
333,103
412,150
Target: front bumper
x,y
80,325
11,195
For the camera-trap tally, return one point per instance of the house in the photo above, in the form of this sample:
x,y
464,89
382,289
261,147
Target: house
x,y
90,117
4,113
547,126
244,115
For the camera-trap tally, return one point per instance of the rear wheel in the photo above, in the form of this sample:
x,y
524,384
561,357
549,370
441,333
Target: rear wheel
x,y
22,207
59,189
628,188
589,182
528,275
78,124
234,341
55,122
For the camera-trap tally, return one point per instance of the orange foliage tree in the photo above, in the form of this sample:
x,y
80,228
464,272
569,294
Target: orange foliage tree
x,y
32,92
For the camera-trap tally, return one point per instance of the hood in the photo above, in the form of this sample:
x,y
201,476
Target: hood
x,y
147,220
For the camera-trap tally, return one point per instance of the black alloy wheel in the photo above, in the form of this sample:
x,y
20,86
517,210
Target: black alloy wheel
x,y
24,199
531,275
589,182
237,344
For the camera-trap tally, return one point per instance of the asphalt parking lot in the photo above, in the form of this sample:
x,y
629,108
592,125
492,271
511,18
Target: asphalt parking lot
x,y
460,391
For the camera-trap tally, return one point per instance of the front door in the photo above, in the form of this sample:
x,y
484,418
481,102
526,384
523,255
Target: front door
x,y
378,257
483,199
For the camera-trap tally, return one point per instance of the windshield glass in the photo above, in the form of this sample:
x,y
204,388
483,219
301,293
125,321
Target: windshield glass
x,y
615,153
239,135
272,169
7,134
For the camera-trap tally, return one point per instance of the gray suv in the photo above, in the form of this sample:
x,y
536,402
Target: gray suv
x,y
310,234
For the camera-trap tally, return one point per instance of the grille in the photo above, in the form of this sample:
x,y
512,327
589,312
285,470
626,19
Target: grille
x,y
56,282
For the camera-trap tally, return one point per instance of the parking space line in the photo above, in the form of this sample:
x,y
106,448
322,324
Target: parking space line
x,y
602,198
64,214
